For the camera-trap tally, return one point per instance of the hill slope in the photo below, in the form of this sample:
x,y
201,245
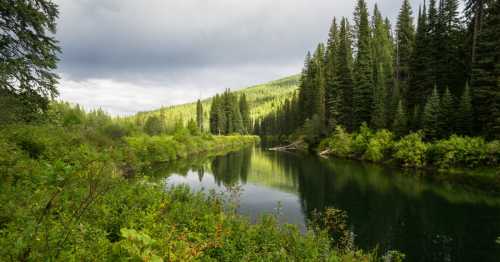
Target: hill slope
x,y
262,99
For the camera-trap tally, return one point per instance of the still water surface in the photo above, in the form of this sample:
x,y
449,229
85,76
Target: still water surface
x,y
396,211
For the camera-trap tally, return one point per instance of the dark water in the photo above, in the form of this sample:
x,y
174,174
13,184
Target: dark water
x,y
396,211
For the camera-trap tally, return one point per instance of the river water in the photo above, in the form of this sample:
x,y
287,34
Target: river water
x,y
386,207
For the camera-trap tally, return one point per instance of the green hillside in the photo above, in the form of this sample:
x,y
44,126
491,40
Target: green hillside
x,y
262,99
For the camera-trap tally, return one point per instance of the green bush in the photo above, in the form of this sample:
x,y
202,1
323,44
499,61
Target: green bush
x,y
378,146
340,143
493,152
459,151
411,150
361,140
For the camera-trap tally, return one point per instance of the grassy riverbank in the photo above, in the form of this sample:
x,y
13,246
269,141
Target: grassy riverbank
x,y
74,187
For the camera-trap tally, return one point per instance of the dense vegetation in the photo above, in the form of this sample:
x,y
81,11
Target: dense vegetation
x,y
415,79
431,87
75,185
412,150
262,99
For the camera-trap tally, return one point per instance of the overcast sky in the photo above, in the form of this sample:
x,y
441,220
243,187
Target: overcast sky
x,y
128,55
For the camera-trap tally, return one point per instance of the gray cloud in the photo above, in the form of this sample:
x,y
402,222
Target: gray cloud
x,y
187,46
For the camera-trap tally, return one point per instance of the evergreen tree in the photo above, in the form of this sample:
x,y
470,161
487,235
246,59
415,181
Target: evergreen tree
x,y
193,127
153,126
475,11
319,85
199,115
486,74
28,53
405,37
421,82
431,115
214,109
400,124
306,89
378,119
245,114
465,115
344,76
331,110
383,48
383,57
447,114
450,62
363,85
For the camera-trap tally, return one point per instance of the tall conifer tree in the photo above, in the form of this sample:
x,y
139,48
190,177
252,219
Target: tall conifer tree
x,y
363,71
344,76
331,110
400,124
431,115
405,37
486,75
465,117
199,115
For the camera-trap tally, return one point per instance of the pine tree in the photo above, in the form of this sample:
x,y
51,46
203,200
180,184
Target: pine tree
x,y
305,89
378,119
245,114
405,37
319,85
475,11
450,63
420,76
215,110
28,53
199,115
485,79
153,126
465,115
331,110
344,76
431,115
400,124
383,48
447,114
193,128
363,84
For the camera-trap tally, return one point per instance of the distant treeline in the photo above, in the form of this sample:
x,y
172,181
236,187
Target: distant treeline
x,y
440,76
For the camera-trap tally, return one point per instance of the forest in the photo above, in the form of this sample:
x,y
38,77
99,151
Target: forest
x,y
432,81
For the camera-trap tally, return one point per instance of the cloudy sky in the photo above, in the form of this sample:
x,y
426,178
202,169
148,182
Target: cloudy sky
x,y
127,55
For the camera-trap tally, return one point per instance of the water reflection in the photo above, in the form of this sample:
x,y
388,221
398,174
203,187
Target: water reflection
x,y
428,222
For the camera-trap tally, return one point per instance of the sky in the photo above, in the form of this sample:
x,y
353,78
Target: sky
x,y
126,56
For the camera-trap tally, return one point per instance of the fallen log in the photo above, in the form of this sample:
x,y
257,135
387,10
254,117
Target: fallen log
x,y
290,147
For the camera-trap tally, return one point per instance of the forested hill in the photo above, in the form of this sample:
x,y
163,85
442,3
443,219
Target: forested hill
x,y
262,99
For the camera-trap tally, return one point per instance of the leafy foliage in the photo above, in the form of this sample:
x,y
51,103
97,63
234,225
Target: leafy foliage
x,y
411,151
68,196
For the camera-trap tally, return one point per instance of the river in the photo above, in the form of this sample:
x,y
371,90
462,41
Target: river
x,y
387,208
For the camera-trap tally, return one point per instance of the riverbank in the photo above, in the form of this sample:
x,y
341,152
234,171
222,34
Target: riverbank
x,y
77,189
460,159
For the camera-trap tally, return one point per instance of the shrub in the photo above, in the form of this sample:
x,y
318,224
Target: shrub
x,y
153,126
361,140
459,151
379,144
340,144
493,152
411,151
